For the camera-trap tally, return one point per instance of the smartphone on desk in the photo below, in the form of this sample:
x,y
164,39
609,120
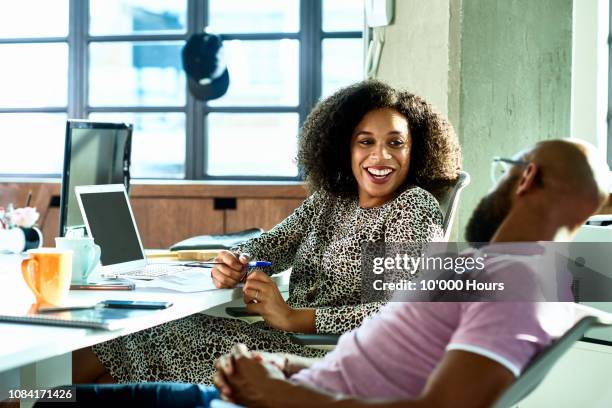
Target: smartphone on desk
x,y
103,286
135,304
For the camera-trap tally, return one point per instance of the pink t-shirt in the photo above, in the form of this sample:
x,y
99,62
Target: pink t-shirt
x,y
393,353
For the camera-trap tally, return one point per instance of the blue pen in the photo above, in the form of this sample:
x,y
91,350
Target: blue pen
x,y
208,264
258,264
254,264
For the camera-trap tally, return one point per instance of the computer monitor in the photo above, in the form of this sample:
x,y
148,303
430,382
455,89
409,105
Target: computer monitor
x,y
95,153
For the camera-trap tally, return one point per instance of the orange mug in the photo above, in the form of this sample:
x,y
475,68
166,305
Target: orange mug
x,y
47,272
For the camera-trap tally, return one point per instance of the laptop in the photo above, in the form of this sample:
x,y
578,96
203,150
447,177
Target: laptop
x,y
110,222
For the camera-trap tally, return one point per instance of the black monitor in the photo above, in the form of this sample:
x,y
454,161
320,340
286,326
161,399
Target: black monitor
x,y
95,153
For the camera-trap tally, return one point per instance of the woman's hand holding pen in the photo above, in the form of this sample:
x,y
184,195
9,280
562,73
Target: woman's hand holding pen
x,y
261,296
231,269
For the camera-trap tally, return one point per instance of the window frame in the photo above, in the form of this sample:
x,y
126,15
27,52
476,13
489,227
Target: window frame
x,y
310,37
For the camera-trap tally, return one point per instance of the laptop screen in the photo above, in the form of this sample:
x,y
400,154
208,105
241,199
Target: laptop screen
x,y
110,222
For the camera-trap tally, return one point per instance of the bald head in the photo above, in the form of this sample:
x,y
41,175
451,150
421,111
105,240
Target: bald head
x,y
573,171
560,184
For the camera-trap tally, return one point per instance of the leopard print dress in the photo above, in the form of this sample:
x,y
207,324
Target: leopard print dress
x,y
321,241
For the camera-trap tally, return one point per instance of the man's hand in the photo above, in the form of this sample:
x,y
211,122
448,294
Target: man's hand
x,y
230,270
261,296
288,363
244,377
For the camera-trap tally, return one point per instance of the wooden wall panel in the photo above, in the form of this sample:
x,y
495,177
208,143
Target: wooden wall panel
x,y
50,226
170,211
180,188
12,193
259,212
165,221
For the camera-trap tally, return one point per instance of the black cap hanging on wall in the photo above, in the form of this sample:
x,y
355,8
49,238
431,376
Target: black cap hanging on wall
x,y
204,63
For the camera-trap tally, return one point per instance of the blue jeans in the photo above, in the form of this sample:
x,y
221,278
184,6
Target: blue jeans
x,y
142,394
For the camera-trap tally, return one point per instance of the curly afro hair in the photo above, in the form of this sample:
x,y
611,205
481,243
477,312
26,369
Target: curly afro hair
x,y
324,142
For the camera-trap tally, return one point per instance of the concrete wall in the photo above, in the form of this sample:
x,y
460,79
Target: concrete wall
x,y
590,71
515,82
501,71
415,55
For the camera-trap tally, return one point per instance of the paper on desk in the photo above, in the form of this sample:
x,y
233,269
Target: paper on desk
x,y
191,280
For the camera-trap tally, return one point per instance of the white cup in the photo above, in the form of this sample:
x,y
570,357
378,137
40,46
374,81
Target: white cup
x,y
85,259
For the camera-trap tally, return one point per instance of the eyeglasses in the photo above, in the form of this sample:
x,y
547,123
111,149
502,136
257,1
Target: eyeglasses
x,y
501,166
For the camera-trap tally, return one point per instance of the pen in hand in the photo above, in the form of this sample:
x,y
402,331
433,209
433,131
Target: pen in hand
x,y
254,264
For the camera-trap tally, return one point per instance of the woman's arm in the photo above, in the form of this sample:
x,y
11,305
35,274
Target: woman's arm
x,y
261,296
341,319
280,244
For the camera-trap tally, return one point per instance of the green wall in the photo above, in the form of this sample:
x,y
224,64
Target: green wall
x,y
500,70
515,82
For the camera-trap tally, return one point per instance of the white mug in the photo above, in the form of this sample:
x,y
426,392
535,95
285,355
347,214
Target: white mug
x,y
86,256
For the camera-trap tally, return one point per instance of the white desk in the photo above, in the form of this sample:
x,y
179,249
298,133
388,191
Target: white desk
x,y
38,356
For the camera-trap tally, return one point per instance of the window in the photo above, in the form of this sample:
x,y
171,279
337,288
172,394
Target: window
x,y
120,60
135,75
34,84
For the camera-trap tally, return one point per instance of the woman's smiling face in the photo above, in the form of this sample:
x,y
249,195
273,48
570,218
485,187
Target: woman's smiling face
x,y
380,155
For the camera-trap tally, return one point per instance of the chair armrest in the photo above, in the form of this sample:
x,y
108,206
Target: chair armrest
x,y
315,339
239,312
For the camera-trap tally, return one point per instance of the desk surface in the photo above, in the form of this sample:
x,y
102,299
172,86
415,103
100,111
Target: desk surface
x,y
22,344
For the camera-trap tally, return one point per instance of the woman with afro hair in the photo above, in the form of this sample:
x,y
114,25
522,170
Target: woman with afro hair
x,y
374,159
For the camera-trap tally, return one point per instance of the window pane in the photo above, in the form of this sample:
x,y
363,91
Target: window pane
x,y
343,15
262,73
34,18
337,71
248,16
136,74
32,143
158,143
23,81
111,17
252,144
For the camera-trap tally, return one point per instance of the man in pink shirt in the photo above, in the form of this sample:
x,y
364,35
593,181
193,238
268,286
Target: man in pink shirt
x,y
447,354
427,354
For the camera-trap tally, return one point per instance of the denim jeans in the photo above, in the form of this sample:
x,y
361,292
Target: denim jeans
x,y
142,394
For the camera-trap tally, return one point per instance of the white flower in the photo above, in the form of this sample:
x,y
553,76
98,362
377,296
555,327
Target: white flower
x,y
23,217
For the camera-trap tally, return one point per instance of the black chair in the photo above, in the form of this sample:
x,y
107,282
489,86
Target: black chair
x,y
449,202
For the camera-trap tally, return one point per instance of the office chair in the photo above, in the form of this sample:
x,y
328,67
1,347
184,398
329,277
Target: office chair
x,y
541,365
449,202
448,199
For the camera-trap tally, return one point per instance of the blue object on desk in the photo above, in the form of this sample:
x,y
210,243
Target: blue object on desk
x,y
258,264
204,264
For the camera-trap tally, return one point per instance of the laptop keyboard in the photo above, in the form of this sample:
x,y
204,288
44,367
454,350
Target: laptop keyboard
x,y
152,271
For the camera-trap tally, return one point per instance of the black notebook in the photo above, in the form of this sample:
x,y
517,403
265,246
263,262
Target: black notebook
x,y
221,241
99,318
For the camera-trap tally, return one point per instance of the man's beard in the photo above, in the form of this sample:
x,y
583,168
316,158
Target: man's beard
x,y
489,214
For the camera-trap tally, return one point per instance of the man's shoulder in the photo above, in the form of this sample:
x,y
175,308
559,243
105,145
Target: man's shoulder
x,y
519,256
